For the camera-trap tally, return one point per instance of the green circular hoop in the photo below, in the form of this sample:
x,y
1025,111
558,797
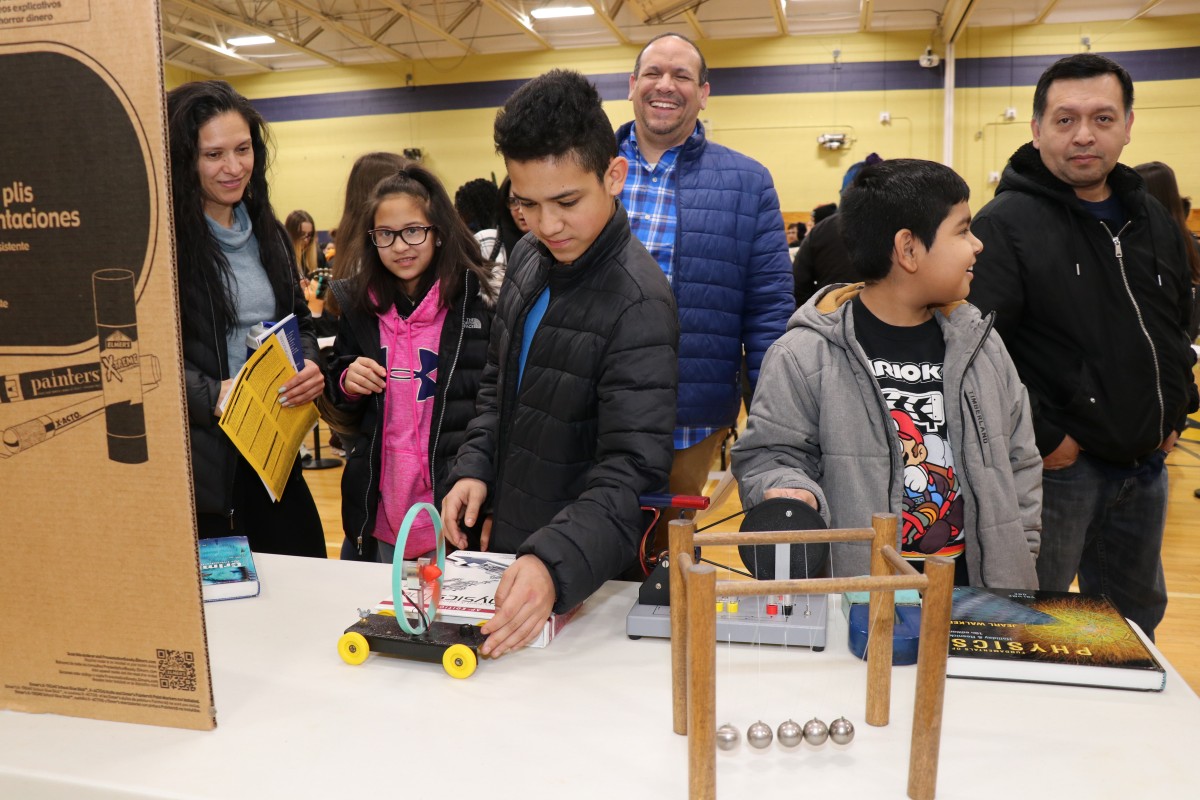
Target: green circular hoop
x,y
398,568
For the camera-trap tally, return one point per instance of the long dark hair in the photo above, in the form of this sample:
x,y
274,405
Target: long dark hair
x,y
376,288
204,274
1162,186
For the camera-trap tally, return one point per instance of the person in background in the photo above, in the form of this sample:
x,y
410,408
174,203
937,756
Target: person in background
x,y
1089,281
331,247
823,259
368,170
477,202
235,270
512,222
1162,186
409,354
948,447
578,397
795,233
824,211
710,217
314,270
303,233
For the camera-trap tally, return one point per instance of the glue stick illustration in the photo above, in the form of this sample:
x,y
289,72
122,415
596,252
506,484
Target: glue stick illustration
x,y
120,367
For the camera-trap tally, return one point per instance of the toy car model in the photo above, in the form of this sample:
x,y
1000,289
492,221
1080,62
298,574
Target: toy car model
x,y
424,638
455,645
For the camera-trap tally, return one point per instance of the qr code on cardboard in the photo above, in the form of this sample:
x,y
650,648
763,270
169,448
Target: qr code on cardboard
x,y
177,670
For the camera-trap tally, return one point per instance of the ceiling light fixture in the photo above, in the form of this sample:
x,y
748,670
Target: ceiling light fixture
x,y
554,12
246,41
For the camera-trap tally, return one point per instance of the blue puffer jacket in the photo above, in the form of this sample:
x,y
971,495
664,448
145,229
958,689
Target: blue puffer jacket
x,y
732,278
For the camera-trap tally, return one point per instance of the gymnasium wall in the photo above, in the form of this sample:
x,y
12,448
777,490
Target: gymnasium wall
x,y
770,99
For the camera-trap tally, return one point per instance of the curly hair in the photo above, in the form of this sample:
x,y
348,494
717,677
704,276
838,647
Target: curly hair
x,y
476,203
555,115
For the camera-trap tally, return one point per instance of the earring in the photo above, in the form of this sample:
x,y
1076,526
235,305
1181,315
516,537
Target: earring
x,y
437,243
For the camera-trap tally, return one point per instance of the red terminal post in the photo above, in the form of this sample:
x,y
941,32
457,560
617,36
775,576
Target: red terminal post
x,y
772,609
430,573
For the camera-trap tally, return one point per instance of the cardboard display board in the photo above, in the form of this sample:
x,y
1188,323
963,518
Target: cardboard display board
x,y
100,606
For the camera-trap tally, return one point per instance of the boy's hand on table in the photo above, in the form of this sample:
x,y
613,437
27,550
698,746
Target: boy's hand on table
x,y
795,494
461,506
523,604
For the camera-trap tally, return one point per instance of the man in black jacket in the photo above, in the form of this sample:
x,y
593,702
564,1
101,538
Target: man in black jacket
x,y
1090,285
577,403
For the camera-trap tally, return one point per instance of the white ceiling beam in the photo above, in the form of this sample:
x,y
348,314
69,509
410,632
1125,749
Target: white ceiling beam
x,y
694,21
191,67
345,30
516,19
955,16
254,27
1053,4
1146,9
200,44
780,16
428,25
608,21
866,15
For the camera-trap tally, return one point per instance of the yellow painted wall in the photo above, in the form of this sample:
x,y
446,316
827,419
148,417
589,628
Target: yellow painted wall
x,y
313,158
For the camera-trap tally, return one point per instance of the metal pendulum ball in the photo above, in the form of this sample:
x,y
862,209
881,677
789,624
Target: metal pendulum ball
x,y
815,731
790,733
727,737
841,730
759,735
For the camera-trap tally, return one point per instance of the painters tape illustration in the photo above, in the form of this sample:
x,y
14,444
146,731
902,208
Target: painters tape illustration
x,y
43,427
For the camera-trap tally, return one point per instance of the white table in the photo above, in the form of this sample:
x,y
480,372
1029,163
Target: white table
x,y
587,717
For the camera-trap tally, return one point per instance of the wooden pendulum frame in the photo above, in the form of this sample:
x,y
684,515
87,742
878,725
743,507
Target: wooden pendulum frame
x,y
694,589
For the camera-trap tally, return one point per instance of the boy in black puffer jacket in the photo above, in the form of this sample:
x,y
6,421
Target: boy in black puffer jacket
x,y
577,407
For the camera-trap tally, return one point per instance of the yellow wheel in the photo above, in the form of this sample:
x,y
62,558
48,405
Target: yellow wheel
x,y
385,612
353,648
459,661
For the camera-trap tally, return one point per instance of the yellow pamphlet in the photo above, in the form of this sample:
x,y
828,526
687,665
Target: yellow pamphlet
x,y
265,432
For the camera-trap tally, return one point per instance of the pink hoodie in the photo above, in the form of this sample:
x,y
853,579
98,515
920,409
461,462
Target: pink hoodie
x,y
412,353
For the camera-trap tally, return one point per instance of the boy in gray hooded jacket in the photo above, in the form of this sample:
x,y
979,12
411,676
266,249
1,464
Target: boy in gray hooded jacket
x,y
894,395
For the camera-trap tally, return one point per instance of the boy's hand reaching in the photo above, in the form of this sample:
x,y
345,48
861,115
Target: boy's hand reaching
x,y
795,494
461,506
523,604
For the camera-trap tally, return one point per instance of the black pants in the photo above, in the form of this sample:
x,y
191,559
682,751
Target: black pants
x,y
291,527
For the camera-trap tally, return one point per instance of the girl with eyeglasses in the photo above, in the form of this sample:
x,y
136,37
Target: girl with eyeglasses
x,y
410,349
235,270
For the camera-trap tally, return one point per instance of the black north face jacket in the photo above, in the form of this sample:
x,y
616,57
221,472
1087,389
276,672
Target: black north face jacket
x,y
566,454
1095,320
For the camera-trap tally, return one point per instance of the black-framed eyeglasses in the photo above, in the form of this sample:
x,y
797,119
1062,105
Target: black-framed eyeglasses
x,y
413,235
512,202
306,236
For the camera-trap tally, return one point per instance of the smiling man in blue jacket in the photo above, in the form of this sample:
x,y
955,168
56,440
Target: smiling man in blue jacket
x,y
710,217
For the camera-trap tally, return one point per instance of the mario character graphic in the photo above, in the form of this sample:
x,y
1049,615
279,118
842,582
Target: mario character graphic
x,y
933,509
